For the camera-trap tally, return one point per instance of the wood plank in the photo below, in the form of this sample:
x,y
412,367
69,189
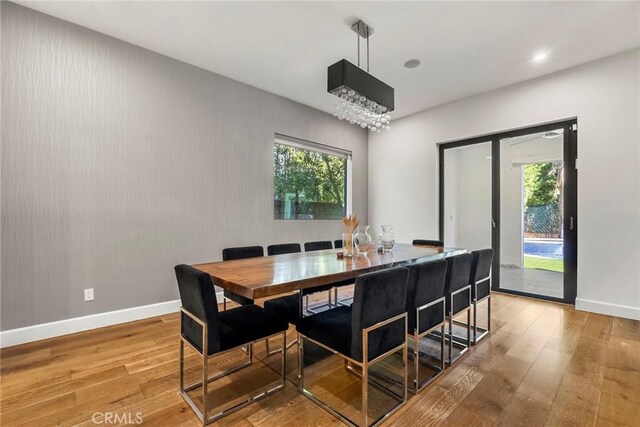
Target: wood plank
x,y
625,328
428,412
543,379
620,398
576,403
523,411
565,338
494,392
528,347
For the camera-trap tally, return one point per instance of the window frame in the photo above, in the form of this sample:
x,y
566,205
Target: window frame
x,y
303,144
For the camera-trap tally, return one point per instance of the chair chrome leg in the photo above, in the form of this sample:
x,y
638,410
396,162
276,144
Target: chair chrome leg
x,y
405,365
417,384
442,343
181,364
475,320
283,362
483,332
469,327
277,350
450,337
365,383
489,313
478,331
315,310
300,363
416,359
205,377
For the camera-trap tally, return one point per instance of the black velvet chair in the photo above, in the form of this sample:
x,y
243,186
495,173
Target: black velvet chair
x,y
284,248
426,308
209,333
239,253
458,294
374,327
428,242
338,244
480,280
289,306
317,245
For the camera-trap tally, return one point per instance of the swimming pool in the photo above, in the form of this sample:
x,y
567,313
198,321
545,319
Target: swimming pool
x,y
548,248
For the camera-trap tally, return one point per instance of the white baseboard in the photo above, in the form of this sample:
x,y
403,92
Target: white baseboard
x,y
78,324
626,311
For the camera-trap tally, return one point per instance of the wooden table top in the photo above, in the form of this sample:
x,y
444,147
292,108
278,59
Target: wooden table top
x,y
273,275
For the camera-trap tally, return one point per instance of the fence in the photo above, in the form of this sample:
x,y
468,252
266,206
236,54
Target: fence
x,y
543,221
307,210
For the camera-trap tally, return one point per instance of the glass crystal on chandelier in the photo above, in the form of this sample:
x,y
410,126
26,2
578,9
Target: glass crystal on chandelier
x,y
357,109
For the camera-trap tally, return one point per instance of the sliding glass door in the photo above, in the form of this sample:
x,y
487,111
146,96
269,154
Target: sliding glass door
x,y
531,212
467,207
516,192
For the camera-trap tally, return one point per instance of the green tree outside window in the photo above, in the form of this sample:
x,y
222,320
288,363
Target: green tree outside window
x,y
308,184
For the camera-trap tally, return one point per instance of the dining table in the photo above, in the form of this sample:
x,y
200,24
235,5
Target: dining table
x,y
269,276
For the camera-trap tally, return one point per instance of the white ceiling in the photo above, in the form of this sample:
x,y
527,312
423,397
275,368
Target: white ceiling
x,y
285,47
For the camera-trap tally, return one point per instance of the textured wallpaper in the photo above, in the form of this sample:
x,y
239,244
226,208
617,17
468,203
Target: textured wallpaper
x,y
119,163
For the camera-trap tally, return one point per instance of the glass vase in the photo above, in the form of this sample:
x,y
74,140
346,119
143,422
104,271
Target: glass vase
x,y
347,244
387,238
362,240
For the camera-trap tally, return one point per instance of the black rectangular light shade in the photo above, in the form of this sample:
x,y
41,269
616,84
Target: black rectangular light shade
x,y
344,73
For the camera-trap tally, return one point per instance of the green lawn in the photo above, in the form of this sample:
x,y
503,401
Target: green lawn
x,y
550,264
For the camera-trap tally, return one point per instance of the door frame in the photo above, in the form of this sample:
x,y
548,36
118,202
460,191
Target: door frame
x,y
570,198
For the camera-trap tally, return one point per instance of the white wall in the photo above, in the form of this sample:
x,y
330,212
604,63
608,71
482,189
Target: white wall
x,y
605,97
451,198
468,196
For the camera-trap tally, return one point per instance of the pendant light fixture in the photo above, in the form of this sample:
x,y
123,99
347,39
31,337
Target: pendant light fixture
x,y
361,99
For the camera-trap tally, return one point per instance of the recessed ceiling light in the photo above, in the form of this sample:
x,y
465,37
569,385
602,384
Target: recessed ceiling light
x,y
540,57
412,63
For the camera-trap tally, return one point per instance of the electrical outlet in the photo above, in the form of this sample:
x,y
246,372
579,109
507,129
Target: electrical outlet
x,y
88,294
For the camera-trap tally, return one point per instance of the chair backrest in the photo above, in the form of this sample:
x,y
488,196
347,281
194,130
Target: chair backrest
x,y
458,270
480,264
284,248
198,296
317,246
242,252
425,285
378,296
428,242
337,244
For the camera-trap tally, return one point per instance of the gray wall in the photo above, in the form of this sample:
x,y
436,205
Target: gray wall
x,y
118,163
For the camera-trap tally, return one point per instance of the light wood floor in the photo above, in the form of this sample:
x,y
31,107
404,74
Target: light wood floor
x,y
543,364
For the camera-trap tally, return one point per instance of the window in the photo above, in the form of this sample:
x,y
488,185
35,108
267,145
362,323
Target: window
x,y
310,180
